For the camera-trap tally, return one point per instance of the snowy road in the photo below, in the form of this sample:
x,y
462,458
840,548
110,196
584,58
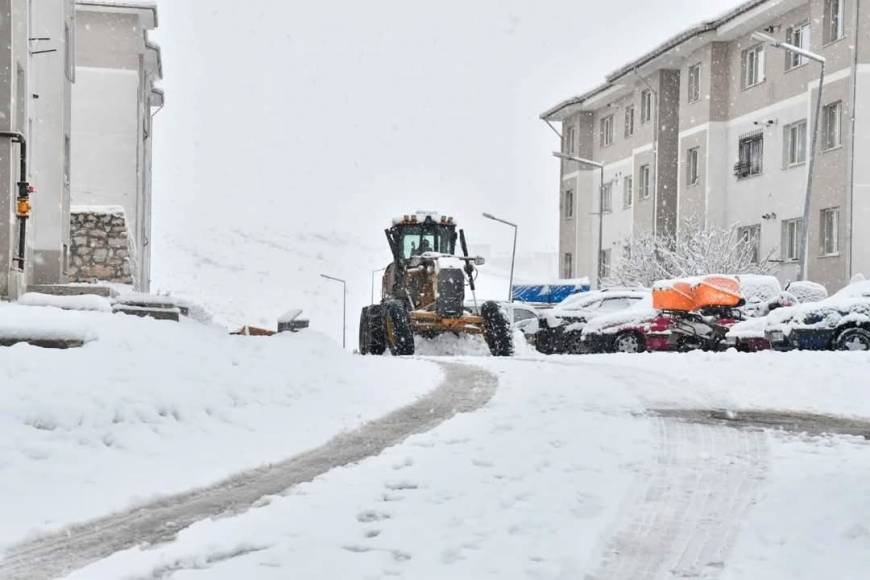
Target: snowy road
x,y
604,468
683,519
464,389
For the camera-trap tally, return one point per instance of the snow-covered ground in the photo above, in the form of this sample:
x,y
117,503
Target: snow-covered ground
x,y
150,408
566,474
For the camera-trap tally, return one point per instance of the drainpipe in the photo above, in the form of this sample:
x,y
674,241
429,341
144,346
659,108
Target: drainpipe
x,y
22,205
853,138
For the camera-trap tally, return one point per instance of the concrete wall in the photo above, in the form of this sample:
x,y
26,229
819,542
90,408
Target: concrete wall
x,y
51,79
14,116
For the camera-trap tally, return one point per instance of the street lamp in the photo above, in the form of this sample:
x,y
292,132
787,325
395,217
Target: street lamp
x,y
373,281
600,166
811,162
343,308
489,216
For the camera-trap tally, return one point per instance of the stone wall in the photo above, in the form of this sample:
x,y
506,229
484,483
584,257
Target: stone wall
x,y
101,248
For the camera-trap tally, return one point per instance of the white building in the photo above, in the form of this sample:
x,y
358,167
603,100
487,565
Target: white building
x,y
52,73
114,102
14,136
716,125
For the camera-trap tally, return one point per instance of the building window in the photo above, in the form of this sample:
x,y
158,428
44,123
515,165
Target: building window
x,y
695,83
607,198
568,206
644,187
629,121
791,240
834,12
607,131
798,36
604,264
750,237
753,66
795,144
569,140
568,266
645,107
830,231
693,169
832,117
627,193
750,155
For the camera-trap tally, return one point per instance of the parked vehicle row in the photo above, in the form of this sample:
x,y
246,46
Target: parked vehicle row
x,y
747,313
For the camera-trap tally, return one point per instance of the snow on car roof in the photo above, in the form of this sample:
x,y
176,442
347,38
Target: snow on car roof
x,y
640,313
578,301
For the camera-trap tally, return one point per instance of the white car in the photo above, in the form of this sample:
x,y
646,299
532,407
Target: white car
x,y
561,328
521,316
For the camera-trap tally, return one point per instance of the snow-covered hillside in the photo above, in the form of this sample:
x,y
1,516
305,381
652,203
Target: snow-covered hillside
x,y
252,277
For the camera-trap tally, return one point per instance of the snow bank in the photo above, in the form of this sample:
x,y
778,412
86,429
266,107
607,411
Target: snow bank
x,y
87,302
25,322
153,408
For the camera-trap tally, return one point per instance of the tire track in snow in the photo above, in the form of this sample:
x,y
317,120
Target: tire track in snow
x,y
464,389
684,521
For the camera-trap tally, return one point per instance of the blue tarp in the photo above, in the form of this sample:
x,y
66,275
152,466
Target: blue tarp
x,y
548,293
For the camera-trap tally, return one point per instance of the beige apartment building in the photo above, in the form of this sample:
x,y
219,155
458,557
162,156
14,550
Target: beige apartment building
x,y
714,126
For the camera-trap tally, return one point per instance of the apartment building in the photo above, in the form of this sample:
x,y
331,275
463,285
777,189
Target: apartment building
x,y
14,128
115,99
77,98
714,126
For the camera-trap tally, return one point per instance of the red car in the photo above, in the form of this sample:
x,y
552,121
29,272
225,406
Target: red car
x,y
647,329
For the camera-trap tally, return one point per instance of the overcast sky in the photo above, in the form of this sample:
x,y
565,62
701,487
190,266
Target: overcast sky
x,y
294,111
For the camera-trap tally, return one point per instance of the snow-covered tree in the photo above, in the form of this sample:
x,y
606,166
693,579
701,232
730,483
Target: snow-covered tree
x,y
696,251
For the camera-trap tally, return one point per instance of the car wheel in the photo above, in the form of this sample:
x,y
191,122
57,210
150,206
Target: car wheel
x,y
628,342
853,339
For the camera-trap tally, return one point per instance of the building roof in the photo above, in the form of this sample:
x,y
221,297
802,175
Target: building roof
x,y
558,112
145,6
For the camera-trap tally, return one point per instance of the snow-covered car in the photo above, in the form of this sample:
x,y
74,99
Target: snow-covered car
x,y
646,329
521,316
561,328
840,322
749,335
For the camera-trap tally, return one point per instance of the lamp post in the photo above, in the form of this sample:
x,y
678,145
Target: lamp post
x,y
343,307
373,282
489,216
811,161
600,166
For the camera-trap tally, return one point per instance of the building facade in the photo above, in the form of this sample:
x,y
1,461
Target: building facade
x,y
78,96
52,73
14,119
114,102
714,127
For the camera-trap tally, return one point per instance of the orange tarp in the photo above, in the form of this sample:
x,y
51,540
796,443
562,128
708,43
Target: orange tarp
x,y
695,294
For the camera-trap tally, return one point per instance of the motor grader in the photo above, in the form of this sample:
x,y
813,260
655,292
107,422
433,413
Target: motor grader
x,y
423,291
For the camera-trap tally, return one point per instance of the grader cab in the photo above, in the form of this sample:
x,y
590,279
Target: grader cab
x,y
423,292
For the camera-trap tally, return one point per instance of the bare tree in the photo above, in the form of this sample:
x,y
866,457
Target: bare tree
x,y
698,250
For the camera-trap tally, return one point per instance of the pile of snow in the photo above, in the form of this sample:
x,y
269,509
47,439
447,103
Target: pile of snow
x,y
35,323
154,407
86,302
